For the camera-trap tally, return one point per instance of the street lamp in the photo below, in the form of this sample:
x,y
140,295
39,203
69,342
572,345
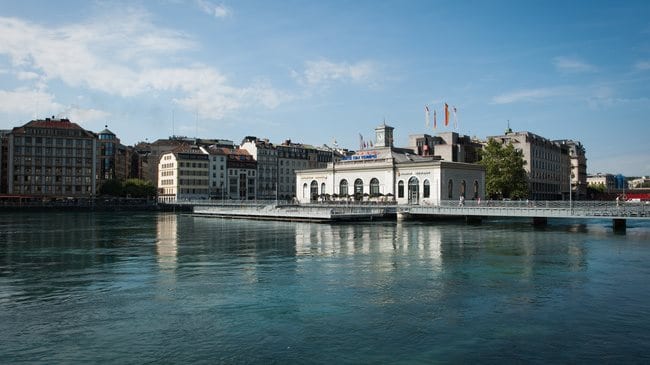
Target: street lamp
x,y
333,169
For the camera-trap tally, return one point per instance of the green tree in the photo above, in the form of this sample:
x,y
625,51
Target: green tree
x,y
112,187
137,188
505,176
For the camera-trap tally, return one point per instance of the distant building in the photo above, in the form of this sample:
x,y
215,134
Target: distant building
x,y
183,175
242,174
4,141
578,161
549,164
217,171
384,172
640,182
150,153
51,158
277,163
268,165
450,146
607,181
114,158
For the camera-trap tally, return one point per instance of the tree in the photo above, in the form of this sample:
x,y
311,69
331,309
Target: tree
x,y
133,188
112,187
505,176
137,188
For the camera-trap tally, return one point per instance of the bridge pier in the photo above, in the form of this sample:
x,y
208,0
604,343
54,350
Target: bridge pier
x,y
619,225
402,216
540,221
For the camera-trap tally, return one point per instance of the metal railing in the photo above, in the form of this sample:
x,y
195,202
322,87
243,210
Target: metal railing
x,y
528,208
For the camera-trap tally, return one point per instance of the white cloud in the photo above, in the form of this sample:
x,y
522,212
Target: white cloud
x,y
126,57
37,103
642,65
28,102
572,65
26,75
325,72
80,115
216,10
529,95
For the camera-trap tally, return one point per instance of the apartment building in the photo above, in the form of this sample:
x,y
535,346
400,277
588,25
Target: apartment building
x,y
218,170
242,174
51,157
114,158
578,167
277,164
183,174
548,163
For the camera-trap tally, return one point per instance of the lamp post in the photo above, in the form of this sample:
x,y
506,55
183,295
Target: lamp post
x,y
333,169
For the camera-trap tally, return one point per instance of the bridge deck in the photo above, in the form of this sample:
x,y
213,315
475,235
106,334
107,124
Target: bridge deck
x,y
342,211
544,209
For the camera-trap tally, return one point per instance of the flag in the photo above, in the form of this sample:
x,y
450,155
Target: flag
x,y
446,114
453,109
360,141
434,119
426,116
370,143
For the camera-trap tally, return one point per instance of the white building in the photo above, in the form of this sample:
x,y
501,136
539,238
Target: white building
x,y
218,170
183,175
384,172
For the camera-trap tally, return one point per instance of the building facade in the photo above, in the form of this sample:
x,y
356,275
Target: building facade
x,y
388,173
450,146
606,181
242,175
51,158
183,175
277,164
114,158
266,155
548,164
578,167
217,171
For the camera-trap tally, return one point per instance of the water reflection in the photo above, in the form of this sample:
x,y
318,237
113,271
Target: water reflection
x,y
523,251
167,241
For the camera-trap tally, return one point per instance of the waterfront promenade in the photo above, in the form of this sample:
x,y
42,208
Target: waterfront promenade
x,y
539,211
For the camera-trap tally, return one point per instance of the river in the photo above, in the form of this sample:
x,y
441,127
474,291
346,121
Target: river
x,y
133,288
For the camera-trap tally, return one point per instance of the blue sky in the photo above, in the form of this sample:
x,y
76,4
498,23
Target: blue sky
x,y
314,71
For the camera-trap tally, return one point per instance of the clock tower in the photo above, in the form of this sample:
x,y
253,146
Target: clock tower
x,y
384,136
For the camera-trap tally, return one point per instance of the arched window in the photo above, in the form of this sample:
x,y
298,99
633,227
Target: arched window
x,y
427,189
414,190
305,191
374,187
343,188
313,196
400,189
475,189
450,189
358,189
462,188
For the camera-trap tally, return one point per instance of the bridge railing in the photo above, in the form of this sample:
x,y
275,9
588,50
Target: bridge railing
x,y
546,208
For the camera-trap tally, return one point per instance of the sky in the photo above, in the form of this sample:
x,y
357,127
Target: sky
x,y
316,72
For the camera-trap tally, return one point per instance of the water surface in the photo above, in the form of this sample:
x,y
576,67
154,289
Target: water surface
x,y
163,287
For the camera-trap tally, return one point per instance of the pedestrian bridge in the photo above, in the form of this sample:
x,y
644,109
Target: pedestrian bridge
x,y
533,209
473,210
540,211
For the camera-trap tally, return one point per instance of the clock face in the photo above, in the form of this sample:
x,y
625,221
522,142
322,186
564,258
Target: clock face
x,y
380,136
